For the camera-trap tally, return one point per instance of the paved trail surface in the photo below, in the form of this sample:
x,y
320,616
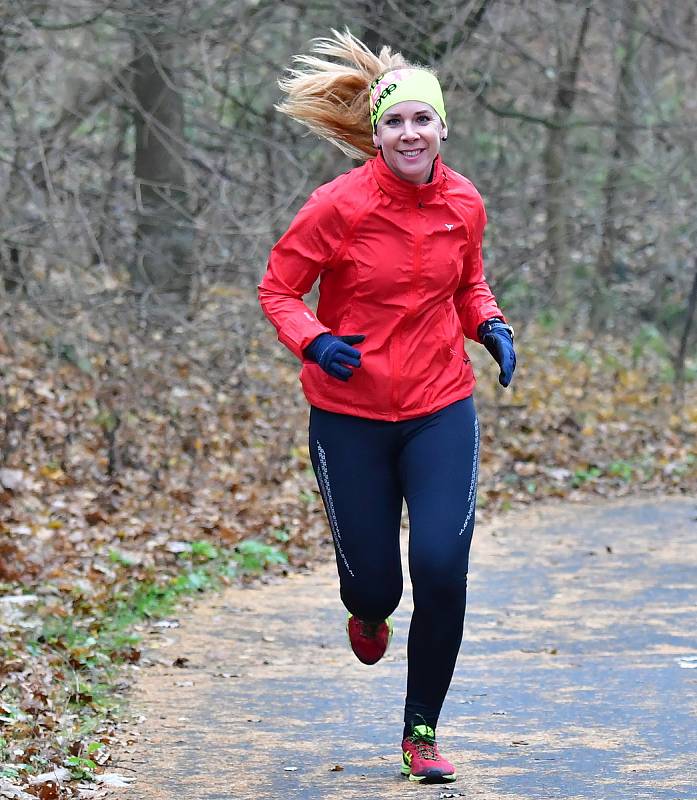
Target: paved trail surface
x,y
574,679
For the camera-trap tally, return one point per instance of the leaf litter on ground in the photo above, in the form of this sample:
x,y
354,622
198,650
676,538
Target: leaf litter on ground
x,y
141,468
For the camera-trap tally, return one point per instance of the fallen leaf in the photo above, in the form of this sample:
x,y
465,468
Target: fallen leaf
x,y
49,791
57,775
11,479
9,791
113,779
94,517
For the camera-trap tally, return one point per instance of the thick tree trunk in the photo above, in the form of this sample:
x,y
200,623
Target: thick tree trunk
x,y
555,159
556,212
121,122
165,233
625,101
9,254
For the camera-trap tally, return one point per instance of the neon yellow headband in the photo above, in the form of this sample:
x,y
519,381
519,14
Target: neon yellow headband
x,y
406,83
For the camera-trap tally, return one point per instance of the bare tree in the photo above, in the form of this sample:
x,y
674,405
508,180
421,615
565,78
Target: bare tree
x,y
139,145
556,158
626,101
165,232
681,355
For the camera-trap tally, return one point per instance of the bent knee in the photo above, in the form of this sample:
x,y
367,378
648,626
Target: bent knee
x,y
371,605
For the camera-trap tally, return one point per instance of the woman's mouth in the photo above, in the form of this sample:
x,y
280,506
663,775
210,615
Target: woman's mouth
x,y
410,153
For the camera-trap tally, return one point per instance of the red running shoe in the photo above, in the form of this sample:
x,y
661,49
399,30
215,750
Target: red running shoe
x,y
421,760
369,640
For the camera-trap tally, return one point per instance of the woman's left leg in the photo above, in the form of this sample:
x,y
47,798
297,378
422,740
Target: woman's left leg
x,y
439,463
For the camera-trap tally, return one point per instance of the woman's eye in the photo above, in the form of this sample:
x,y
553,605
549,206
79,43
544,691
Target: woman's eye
x,y
423,119
391,121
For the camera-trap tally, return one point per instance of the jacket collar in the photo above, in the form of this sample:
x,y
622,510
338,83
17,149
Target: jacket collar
x,y
397,187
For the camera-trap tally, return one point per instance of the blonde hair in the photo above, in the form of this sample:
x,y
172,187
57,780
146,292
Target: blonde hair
x,y
331,98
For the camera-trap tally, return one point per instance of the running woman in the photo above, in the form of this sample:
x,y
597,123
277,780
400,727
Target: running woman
x,y
396,244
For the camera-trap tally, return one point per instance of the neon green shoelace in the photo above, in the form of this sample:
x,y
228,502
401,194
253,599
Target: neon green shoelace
x,y
424,739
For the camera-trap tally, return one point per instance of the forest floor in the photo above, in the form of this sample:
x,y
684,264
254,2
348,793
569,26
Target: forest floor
x,y
140,468
574,679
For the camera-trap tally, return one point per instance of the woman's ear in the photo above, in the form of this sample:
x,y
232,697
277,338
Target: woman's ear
x,y
444,133
376,141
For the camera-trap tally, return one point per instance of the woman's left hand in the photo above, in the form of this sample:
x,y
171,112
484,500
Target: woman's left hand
x,y
497,337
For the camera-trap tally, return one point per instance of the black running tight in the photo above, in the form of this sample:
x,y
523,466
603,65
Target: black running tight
x,y
365,468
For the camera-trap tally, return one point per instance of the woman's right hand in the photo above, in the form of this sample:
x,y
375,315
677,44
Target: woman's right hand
x,y
335,354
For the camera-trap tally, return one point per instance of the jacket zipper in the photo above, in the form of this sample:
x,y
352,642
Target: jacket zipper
x,y
416,274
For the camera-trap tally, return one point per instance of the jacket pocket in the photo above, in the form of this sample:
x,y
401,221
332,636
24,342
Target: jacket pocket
x,y
443,344
452,337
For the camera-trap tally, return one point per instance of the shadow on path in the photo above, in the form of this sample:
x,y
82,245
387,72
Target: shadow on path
x,y
575,676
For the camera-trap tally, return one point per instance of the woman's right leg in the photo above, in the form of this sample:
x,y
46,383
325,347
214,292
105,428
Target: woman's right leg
x,y
355,462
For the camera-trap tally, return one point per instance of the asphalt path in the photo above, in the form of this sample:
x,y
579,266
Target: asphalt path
x,y
577,676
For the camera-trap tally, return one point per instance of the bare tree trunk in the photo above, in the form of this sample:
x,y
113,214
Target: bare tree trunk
x,y
271,183
121,124
165,234
10,270
555,158
685,338
625,101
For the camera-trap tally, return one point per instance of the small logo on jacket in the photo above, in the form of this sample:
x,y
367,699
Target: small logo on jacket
x,y
449,226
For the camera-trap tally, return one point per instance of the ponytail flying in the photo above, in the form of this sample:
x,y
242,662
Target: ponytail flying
x,y
332,97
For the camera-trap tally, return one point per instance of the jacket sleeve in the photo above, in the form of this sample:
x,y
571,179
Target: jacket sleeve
x,y
295,263
474,301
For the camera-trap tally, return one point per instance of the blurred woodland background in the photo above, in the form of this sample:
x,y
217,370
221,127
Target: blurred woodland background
x,y
141,152
152,431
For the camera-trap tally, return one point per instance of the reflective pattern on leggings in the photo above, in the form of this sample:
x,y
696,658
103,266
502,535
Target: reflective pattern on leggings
x,y
365,468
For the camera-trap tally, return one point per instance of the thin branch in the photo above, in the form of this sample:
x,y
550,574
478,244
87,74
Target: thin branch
x,y
66,26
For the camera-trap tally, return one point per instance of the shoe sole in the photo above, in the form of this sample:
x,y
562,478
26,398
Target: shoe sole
x,y
433,777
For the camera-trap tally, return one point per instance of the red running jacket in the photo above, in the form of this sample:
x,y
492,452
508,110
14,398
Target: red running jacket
x,y
398,262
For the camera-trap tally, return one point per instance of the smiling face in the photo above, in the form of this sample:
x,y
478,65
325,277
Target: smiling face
x,y
410,134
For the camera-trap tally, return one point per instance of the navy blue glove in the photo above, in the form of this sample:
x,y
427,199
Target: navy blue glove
x,y
497,337
335,354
